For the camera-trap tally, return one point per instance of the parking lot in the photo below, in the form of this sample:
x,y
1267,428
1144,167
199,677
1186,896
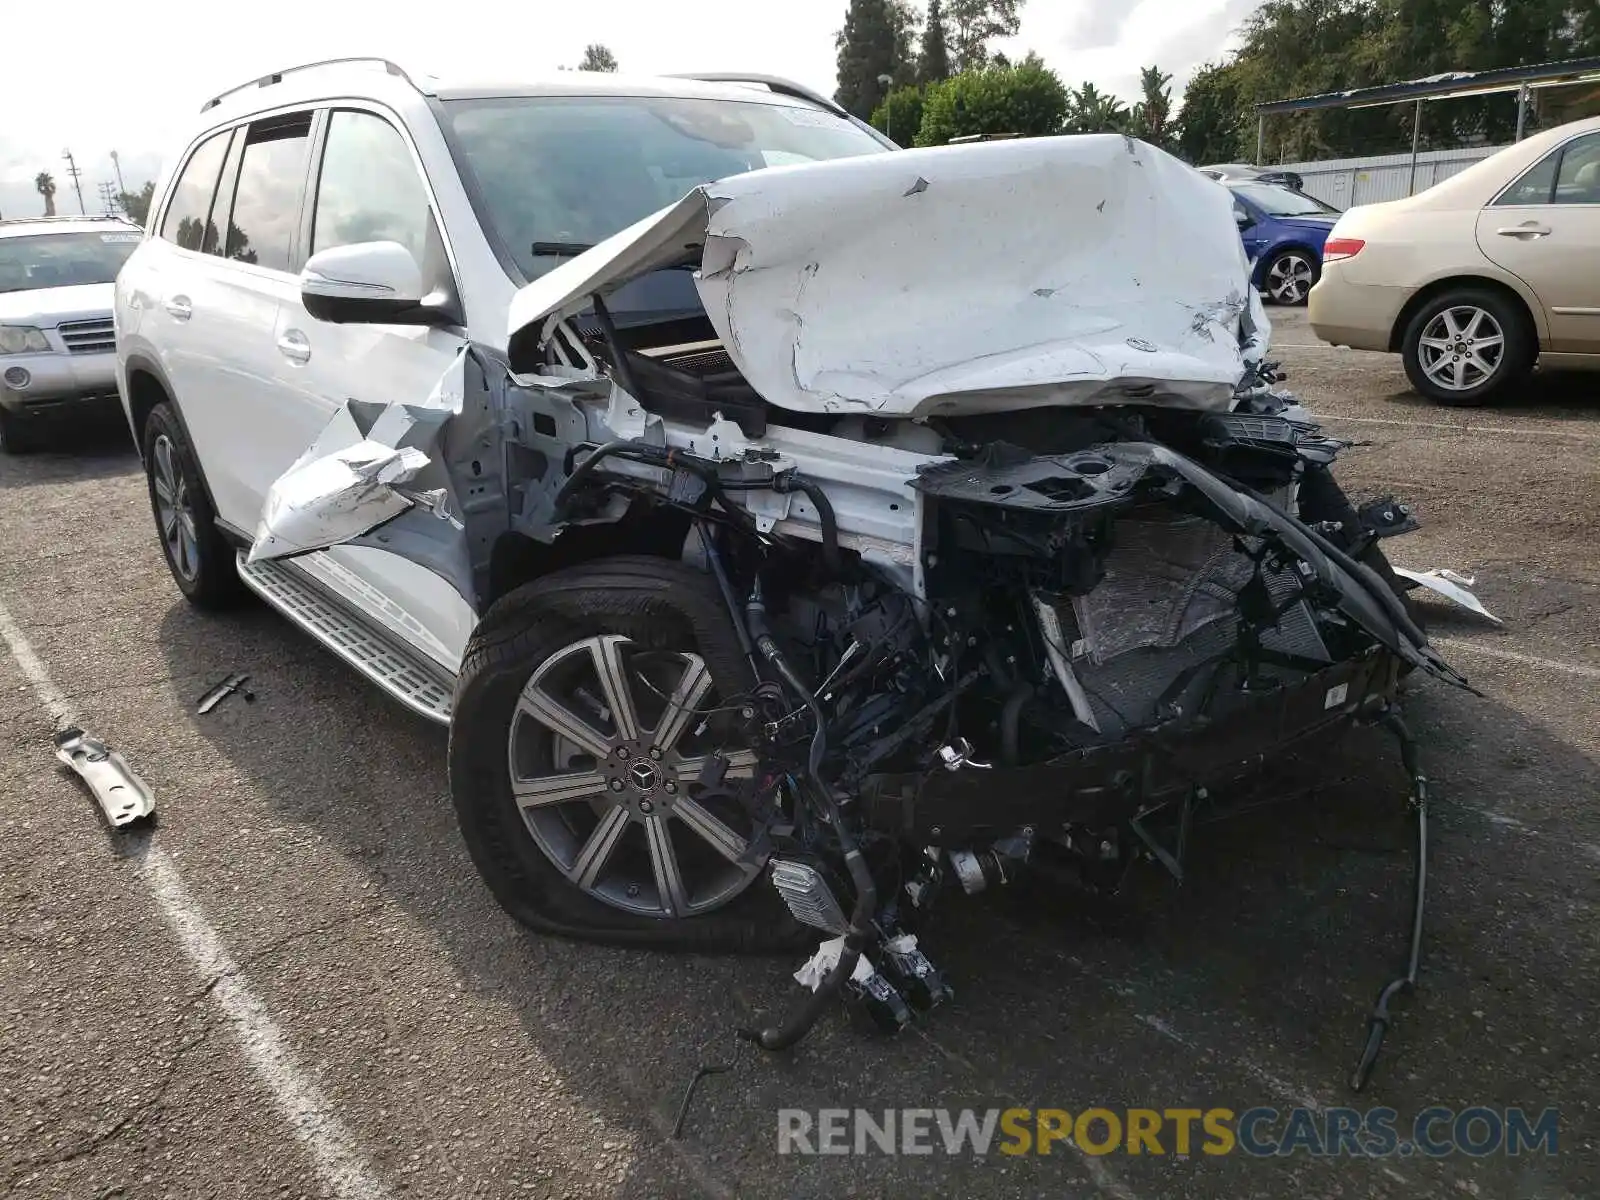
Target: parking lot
x,y
297,985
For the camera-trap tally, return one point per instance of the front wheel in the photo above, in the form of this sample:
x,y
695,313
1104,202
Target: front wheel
x,y
1468,347
198,555
601,767
1290,277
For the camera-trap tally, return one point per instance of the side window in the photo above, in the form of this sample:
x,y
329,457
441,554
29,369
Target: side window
x,y
186,220
1578,181
368,190
1536,184
266,201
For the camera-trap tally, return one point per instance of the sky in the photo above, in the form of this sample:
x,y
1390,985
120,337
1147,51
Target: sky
x,y
94,77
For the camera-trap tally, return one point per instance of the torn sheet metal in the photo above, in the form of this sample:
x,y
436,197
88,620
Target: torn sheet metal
x,y
1453,586
1083,270
123,796
333,498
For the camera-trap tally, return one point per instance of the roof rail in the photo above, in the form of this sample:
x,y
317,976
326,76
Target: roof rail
x,y
126,220
277,76
774,83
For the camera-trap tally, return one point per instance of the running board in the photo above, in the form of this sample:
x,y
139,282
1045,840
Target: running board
x,y
404,674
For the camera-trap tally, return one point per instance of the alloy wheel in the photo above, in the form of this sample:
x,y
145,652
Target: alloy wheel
x,y
1461,348
175,510
620,785
1290,278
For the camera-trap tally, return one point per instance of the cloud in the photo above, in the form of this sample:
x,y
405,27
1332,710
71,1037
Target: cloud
x,y
1094,42
1100,25
139,92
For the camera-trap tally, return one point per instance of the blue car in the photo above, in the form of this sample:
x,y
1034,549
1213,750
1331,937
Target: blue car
x,y
1283,231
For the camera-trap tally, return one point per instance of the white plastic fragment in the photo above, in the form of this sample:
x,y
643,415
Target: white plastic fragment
x,y
1453,586
818,966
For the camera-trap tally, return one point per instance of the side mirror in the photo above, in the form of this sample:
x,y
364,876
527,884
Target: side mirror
x,y
371,283
1242,219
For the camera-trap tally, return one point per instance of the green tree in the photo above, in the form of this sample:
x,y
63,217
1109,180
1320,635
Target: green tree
x,y
1306,47
875,42
44,183
1027,99
933,57
976,23
1211,126
597,58
1092,111
137,204
900,114
1151,118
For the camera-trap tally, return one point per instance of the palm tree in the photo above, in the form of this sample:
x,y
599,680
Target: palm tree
x,y
45,185
1092,111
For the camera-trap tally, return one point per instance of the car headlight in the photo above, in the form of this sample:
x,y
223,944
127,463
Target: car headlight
x,y
22,339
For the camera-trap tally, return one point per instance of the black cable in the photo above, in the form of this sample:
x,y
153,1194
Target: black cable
x,y
825,515
619,356
719,572
781,1037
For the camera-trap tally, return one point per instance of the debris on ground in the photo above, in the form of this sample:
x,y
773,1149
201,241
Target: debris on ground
x,y
216,694
123,796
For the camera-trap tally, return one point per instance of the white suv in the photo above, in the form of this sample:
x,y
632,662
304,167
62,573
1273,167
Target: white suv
x,y
57,352
227,378
740,494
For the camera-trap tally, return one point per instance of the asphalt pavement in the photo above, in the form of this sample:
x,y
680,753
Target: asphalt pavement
x,y
297,986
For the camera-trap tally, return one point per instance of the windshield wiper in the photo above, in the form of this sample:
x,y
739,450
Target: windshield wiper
x,y
690,260
561,249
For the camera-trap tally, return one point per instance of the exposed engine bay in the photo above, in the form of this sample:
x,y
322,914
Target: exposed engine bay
x,y
953,639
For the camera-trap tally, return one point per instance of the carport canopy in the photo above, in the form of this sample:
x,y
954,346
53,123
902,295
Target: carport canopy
x,y
1450,85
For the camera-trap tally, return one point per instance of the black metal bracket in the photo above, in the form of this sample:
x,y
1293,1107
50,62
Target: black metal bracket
x,y
1378,1023
1172,859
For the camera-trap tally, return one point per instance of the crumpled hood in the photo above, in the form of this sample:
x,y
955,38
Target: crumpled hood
x,y
1046,271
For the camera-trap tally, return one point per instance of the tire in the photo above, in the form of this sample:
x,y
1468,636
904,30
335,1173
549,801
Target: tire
x,y
637,615
1482,372
15,438
1289,277
200,558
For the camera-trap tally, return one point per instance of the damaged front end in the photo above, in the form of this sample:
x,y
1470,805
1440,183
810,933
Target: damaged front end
x,y
1020,559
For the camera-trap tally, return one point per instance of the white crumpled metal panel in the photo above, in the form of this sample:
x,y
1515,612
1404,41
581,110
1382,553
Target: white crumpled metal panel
x,y
998,275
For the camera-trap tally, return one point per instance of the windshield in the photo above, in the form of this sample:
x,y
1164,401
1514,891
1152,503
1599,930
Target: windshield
x,y
49,260
566,172
1278,201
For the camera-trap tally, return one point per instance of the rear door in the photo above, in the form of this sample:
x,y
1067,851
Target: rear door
x,y
368,184
1545,228
171,291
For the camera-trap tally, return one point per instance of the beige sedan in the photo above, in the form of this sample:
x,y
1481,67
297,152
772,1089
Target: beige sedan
x,y
1479,277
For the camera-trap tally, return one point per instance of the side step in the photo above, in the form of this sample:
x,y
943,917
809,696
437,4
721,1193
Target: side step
x,y
404,674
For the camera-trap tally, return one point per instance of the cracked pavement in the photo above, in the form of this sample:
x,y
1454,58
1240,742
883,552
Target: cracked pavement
x,y
469,1059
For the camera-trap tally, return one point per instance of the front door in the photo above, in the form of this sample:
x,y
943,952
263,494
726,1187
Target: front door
x,y
1545,229
368,186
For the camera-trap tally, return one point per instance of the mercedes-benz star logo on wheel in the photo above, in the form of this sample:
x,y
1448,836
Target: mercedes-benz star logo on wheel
x,y
644,775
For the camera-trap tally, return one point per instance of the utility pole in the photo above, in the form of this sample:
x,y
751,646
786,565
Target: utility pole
x,y
116,165
73,172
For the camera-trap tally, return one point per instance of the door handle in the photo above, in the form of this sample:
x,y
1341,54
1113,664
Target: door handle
x,y
1528,230
292,345
180,307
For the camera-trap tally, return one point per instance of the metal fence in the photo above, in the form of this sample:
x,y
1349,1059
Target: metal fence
x,y
1346,182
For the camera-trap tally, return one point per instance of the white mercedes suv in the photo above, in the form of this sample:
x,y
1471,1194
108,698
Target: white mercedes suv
x,y
743,495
